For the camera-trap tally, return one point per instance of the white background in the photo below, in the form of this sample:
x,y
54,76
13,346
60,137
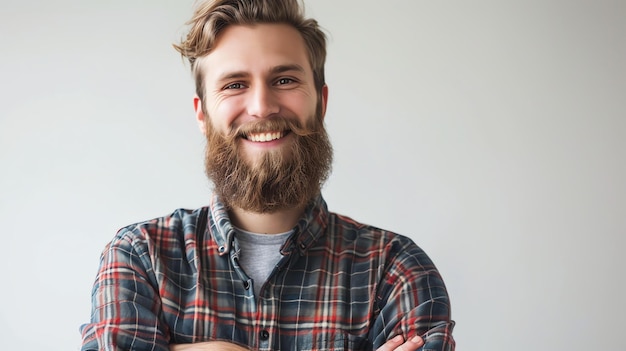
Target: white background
x,y
491,132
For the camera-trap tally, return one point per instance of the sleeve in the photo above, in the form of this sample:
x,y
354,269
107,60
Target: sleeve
x,y
125,300
413,300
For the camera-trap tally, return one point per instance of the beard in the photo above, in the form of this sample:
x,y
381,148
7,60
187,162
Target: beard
x,y
288,177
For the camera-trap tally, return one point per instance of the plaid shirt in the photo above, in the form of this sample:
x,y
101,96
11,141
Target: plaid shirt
x,y
340,285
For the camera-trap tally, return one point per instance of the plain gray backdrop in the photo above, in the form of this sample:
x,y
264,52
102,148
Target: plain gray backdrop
x,y
493,133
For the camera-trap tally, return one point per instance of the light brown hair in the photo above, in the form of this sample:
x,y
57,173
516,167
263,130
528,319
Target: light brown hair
x,y
211,17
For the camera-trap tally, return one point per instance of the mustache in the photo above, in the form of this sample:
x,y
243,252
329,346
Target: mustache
x,y
274,124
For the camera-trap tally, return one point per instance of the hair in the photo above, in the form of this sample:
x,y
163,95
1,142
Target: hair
x,y
211,17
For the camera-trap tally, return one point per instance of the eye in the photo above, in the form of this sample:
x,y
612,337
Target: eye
x,y
234,86
283,81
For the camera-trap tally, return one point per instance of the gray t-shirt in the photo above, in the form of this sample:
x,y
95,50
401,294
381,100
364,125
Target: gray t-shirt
x,y
259,254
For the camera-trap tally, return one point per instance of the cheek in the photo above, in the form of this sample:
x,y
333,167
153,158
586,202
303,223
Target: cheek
x,y
302,106
224,114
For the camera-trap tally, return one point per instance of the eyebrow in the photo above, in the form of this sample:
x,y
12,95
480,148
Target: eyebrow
x,y
287,68
275,70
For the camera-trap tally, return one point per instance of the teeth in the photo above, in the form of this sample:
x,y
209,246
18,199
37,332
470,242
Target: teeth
x,y
264,137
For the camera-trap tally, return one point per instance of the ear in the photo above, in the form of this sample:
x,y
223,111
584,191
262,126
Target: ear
x,y
200,117
324,100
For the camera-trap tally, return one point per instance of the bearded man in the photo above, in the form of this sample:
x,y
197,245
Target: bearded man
x,y
265,266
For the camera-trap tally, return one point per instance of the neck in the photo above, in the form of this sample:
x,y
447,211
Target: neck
x,y
266,223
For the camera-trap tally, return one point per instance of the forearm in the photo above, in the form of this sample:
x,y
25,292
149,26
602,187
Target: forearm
x,y
396,344
209,346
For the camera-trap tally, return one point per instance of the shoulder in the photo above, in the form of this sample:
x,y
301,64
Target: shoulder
x,y
351,229
170,230
388,244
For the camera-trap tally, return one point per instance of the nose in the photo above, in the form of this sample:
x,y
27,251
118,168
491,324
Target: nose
x,y
262,102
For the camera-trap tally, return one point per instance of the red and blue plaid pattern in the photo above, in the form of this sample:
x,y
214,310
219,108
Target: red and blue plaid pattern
x,y
340,285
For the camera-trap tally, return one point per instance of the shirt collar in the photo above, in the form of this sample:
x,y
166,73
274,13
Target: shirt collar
x,y
308,230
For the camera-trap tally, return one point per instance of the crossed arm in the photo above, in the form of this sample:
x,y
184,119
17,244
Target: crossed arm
x,y
395,344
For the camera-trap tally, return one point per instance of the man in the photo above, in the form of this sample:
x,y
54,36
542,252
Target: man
x,y
265,266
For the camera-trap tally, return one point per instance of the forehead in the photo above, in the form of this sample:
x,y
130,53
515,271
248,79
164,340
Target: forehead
x,y
255,49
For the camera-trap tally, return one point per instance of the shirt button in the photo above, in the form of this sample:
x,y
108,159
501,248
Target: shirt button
x,y
264,335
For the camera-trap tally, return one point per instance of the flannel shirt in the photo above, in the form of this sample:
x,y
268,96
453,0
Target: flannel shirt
x,y
340,285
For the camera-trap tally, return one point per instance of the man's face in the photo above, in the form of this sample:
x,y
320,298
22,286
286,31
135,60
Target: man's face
x,y
267,148
256,73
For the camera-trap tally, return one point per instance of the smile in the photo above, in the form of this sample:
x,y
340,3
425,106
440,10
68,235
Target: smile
x,y
265,137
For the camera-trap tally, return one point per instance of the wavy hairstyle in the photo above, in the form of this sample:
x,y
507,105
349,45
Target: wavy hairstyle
x,y
211,17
